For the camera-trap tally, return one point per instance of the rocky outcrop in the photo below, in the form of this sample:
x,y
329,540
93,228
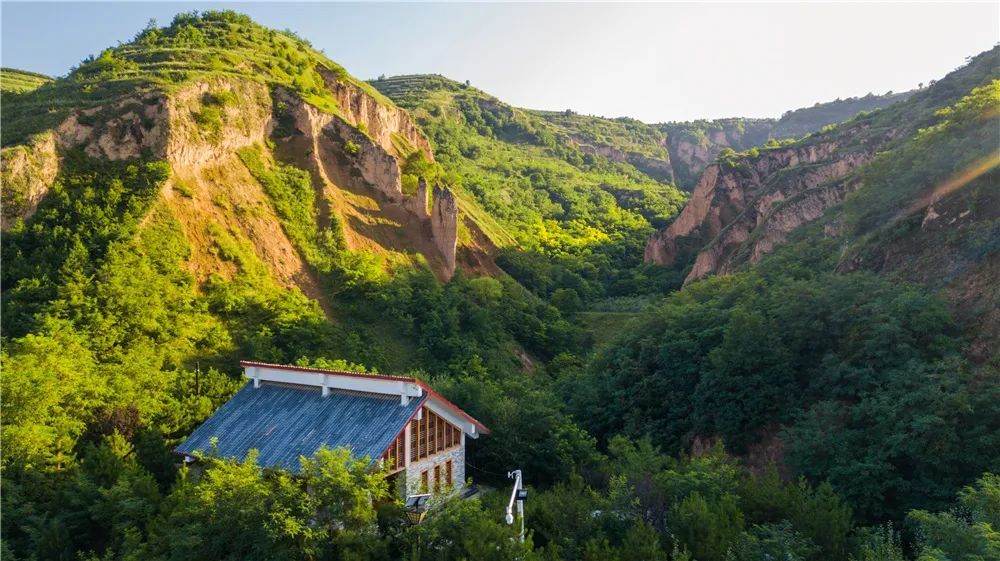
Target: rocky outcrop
x,y
200,127
693,146
122,130
743,208
805,208
346,158
380,121
155,124
244,120
796,200
377,167
119,131
26,174
417,204
444,226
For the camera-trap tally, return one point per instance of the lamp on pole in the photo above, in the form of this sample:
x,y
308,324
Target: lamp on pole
x,y
518,494
416,508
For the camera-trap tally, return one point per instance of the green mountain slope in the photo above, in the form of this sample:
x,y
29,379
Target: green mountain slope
x,y
800,122
162,58
176,214
578,216
21,81
821,273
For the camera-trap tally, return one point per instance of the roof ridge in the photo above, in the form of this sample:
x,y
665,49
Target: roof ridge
x,y
317,370
430,391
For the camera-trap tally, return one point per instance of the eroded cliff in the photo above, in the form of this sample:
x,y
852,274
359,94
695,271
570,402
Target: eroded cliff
x,y
200,127
742,208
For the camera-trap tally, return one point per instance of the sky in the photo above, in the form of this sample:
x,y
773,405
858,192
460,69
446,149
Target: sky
x,y
654,62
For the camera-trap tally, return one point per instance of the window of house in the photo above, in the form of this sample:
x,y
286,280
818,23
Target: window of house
x,y
437,478
414,451
423,481
448,474
431,432
431,435
423,437
394,456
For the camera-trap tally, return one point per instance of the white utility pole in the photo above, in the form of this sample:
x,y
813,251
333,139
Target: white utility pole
x,y
519,493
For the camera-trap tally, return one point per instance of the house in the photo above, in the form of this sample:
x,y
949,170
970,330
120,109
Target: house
x,y
285,412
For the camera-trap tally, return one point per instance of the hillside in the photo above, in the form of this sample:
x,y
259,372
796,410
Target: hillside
x,y
674,153
850,180
197,93
17,81
824,387
216,191
577,213
823,277
696,144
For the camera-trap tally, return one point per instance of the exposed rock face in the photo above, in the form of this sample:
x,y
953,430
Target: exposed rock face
x,y
791,214
695,145
417,204
213,195
691,150
160,125
444,226
377,167
740,211
245,122
381,121
27,174
121,131
368,168
199,128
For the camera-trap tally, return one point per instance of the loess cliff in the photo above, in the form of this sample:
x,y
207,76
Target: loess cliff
x,y
352,141
907,191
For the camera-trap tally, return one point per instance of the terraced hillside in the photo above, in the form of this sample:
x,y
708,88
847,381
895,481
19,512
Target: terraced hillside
x,y
17,81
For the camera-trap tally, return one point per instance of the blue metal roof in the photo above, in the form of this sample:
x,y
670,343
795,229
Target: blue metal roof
x,y
284,422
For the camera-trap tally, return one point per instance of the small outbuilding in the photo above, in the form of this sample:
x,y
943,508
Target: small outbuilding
x,y
285,412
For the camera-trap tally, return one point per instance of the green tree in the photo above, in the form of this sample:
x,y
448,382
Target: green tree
x,y
707,528
465,530
968,534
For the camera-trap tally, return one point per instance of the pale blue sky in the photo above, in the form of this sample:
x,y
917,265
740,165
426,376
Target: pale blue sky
x,y
655,62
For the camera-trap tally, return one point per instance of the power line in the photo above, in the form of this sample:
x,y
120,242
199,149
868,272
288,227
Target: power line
x,y
481,470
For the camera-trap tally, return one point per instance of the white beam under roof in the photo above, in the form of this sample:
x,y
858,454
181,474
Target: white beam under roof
x,y
334,381
449,414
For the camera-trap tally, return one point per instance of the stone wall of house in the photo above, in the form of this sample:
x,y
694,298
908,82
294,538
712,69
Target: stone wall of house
x,y
412,473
